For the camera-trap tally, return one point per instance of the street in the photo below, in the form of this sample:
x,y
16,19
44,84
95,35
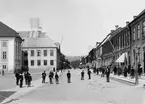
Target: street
x,y
94,91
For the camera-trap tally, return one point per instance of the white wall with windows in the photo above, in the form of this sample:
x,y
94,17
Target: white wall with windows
x,y
9,54
43,58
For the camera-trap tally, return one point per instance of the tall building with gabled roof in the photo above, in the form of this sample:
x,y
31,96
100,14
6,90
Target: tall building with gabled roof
x,y
10,49
42,51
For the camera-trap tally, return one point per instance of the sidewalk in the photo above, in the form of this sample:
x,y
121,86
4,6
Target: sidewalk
x,y
128,79
22,91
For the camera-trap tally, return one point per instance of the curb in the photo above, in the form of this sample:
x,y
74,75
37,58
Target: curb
x,y
122,80
21,92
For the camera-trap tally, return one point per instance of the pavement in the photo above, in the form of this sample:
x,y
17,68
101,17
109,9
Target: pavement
x,y
128,79
17,91
94,91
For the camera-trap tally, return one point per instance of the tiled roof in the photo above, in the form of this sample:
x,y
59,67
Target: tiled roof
x,y
38,42
41,41
7,31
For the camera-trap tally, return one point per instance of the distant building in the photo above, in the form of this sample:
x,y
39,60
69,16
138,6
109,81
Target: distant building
x,y
40,49
10,49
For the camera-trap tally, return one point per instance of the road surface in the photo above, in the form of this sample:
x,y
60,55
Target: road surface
x,y
94,91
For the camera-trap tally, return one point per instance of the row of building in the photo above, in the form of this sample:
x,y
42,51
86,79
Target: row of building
x,y
122,46
28,49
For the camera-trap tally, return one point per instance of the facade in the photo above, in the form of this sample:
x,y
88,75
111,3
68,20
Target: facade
x,y
137,30
121,44
40,49
10,46
98,56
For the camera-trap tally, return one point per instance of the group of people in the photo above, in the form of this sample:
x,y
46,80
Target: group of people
x,y
56,76
2,72
20,76
128,70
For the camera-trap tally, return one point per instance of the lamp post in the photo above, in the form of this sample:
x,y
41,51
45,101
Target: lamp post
x,y
136,71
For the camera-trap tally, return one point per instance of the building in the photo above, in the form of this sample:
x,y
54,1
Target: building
x,y
42,52
10,45
137,30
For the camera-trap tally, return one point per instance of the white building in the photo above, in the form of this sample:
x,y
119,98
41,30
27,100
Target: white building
x,y
42,52
10,49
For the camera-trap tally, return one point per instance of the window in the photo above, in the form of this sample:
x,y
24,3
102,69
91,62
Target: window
x,y
4,66
51,62
133,34
38,62
45,62
144,27
32,52
26,62
51,52
32,62
38,52
4,55
4,43
138,31
45,52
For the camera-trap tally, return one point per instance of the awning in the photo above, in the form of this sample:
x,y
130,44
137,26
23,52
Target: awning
x,y
122,58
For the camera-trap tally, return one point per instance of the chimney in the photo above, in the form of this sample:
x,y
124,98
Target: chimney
x,y
134,17
127,22
112,31
39,31
116,26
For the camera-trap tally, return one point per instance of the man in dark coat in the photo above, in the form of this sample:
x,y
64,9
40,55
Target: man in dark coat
x,y
29,79
56,78
43,77
89,73
69,77
97,71
26,77
82,75
107,73
50,77
132,72
21,79
17,78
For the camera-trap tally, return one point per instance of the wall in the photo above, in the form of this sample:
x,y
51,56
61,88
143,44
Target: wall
x,y
10,53
35,58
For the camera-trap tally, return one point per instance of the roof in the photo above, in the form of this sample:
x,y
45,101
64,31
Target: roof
x,y
140,14
38,42
7,31
42,40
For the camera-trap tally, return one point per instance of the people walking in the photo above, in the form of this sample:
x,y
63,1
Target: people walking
x,y
68,77
29,79
50,77
125,72
140,70
43,77
26,77
17,78
107,74
82,75
97,71
56,78
21,79
89,73
3,72
132,72
103,71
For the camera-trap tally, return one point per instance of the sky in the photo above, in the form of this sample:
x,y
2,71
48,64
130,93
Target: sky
x,y
81,23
